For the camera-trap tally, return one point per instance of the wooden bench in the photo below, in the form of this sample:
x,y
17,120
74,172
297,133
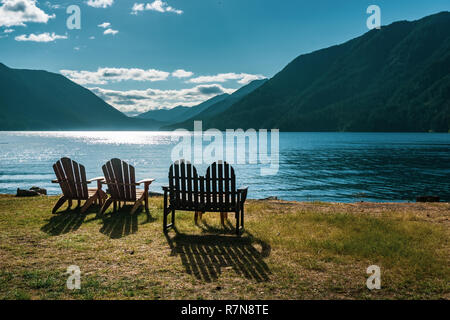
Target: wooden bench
x,y
216,192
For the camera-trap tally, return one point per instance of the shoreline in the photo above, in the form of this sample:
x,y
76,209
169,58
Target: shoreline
x,y
276,199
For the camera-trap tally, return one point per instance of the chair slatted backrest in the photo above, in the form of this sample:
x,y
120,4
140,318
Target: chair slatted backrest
x,y
221,185
120,178
72,179
184,184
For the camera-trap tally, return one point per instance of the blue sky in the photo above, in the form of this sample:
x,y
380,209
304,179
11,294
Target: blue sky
x,y
140,55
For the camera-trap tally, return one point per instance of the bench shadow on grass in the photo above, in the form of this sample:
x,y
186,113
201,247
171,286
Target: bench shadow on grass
x,y
120,224
206,256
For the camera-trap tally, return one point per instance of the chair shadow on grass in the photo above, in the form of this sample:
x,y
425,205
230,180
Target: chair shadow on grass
x,y
66,221
206,256
122,223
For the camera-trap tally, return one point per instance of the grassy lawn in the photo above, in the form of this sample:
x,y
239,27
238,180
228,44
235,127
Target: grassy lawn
x,y
289,251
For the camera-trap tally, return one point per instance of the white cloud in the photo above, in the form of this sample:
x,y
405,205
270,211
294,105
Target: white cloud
x,y
138,101
104,25
180,73
157,5
105,75
111,31
43,37
137,7
100,3
53,6
8,30
20,12
242,78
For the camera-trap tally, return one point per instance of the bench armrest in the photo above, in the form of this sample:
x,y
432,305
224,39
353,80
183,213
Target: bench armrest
x,y
243,191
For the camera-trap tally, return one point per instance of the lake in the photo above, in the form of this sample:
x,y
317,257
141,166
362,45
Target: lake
x,y
338,167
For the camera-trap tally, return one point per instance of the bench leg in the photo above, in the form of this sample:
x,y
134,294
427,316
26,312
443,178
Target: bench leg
x,y
223,216
196,217
198,214
173,217
237,223
165,219
242,217
166,212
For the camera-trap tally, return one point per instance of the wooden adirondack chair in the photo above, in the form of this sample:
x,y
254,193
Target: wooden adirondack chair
x,y
71,177
120,178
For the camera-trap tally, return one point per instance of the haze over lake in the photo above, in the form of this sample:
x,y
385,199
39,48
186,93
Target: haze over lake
x,y
344,167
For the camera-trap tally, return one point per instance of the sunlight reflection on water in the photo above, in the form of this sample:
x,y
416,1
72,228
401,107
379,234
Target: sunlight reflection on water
x,y
313,166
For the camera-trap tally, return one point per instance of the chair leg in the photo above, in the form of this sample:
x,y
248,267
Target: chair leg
x,y
102,196
136,206
70,204
58,204
106,206
89,202
146,201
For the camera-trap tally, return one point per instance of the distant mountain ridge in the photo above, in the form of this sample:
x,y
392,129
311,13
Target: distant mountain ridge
x,y
181,113
218,107
41,100
393,79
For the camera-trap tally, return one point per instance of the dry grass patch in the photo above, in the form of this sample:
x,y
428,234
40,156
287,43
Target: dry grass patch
x,y
290,250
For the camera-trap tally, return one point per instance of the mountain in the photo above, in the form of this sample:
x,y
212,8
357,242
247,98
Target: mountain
x,y
165,115
220,106
181,113
41,100
393,79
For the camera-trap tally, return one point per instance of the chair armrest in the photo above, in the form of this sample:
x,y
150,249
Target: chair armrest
x,y
243,191
145,181
166,188
55,181
96,179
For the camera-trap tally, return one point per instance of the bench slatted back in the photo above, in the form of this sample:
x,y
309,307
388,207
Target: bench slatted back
x,y
120,178
221,181
184,184
214,192
72,179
